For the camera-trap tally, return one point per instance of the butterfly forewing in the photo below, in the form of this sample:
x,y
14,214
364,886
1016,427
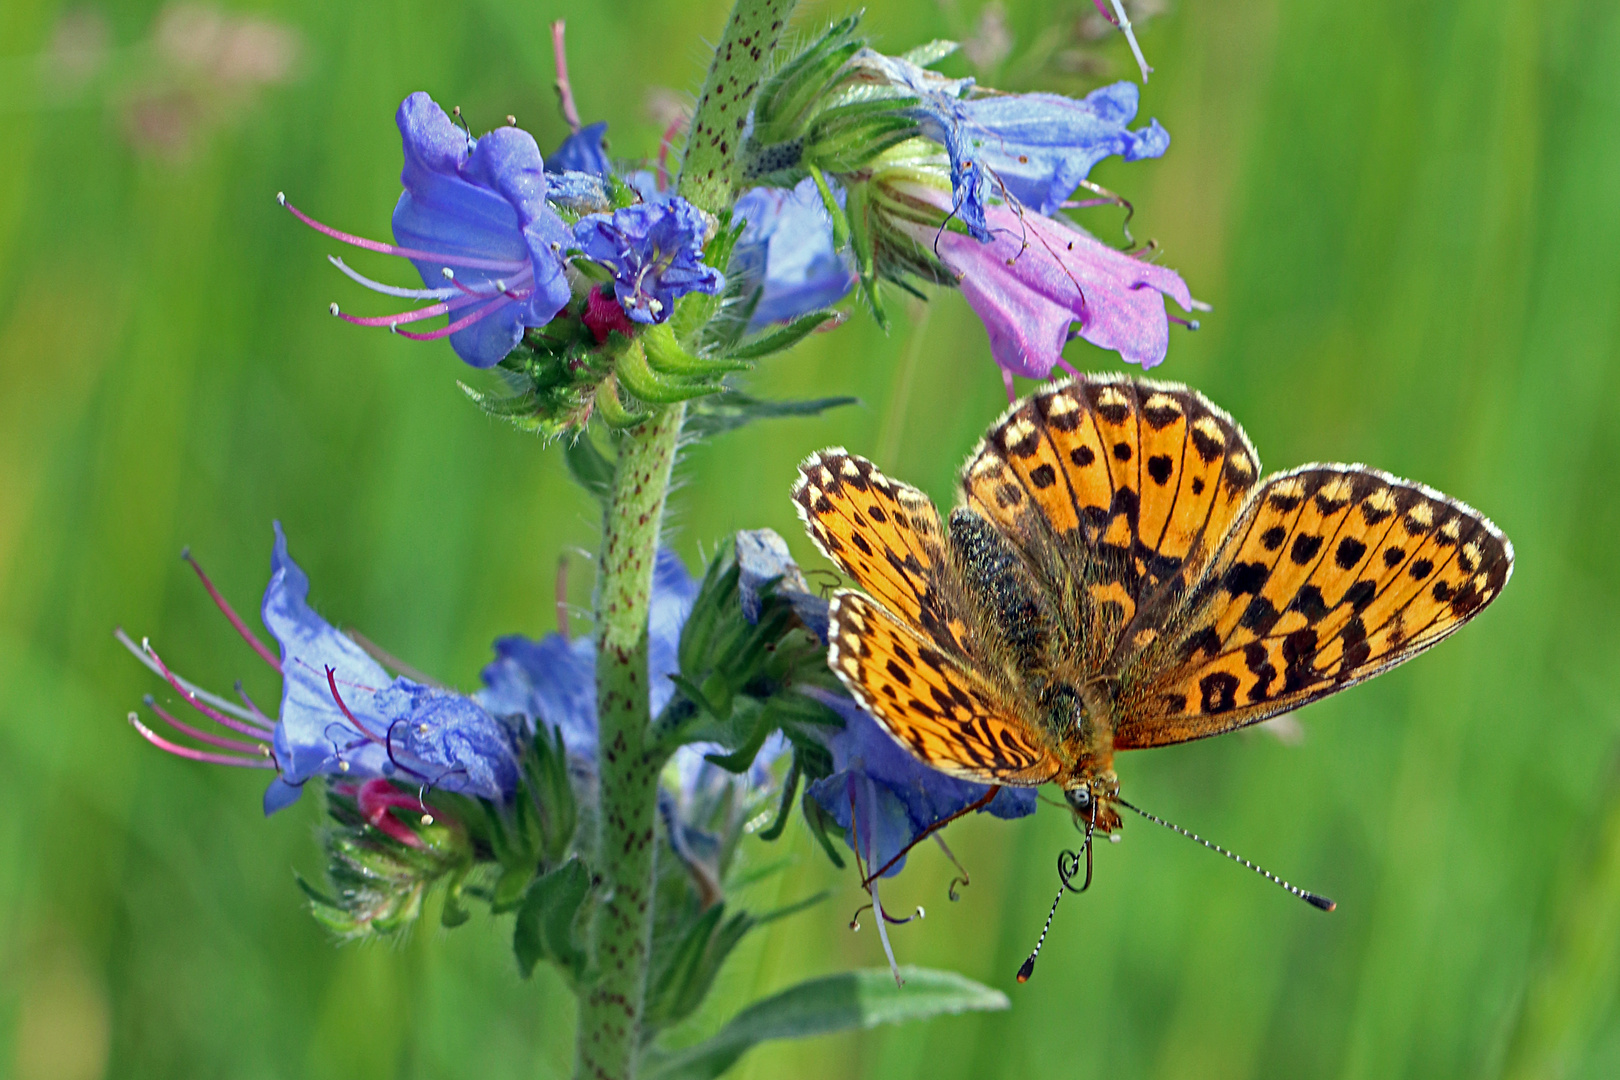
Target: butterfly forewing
x,y
1332,574
887,536
939,709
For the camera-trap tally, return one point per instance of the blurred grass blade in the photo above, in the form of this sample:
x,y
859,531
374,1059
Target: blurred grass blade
x,y
853,1000
1576,989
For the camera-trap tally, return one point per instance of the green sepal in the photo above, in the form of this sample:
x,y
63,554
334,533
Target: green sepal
x,y
545,925
793,89
739,760
784,809
641,382
666,357
829,203
613,411
849,138
858,209
588,466
820,821
454,912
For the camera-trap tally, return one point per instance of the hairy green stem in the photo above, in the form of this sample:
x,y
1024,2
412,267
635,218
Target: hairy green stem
x,y
629,759
709,168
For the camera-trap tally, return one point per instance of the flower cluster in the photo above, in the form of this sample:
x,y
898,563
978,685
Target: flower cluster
x,y
603,296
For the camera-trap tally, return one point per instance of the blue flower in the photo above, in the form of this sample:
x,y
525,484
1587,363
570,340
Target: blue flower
x,y
884,798
341,714
583,152
1033,149
787,252
474,221
881,795
553,681
1038,147
655,251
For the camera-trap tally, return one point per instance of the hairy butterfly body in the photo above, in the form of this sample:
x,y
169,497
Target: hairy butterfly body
x,y
1118,576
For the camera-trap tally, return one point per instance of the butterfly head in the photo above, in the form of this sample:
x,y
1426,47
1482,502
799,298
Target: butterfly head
x,y
1091,800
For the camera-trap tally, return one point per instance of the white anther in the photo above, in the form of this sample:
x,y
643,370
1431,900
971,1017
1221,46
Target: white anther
x,y
393,328
343,766
146,644
448,273
500,286
423,729
427,819
333,309
281,198
654,304
921,914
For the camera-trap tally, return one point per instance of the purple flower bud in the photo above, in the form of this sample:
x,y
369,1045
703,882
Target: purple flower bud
x,y
474,221
787,252
655,251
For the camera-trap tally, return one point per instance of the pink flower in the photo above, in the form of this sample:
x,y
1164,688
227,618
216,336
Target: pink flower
x,y
1037,276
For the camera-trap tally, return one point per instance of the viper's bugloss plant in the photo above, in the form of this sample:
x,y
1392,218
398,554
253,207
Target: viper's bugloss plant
x,y
610,791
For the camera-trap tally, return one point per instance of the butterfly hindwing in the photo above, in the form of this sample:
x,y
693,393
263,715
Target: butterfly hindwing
x,y
887,536
1331,574
937,708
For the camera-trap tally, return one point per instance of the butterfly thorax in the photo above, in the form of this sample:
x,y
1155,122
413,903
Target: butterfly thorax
x,y
1020,637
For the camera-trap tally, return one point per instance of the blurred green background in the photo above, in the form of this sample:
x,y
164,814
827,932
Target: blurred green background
x,y
1406,217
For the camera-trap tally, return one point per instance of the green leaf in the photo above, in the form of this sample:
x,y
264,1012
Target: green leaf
x,y
545,922
853,1000
731,409
782,338
588,466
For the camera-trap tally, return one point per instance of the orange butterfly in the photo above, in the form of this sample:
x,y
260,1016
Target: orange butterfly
x,y
1117,576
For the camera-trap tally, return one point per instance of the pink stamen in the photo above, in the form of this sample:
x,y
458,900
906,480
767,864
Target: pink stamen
x,y
197,703
461,323
467,261
196,755
230,613
376,798
331,680
565,91
391,321
213,699
241,691
676,126
213,740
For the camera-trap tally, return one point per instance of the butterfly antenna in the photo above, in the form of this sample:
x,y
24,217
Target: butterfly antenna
x,y
1068,865
1314,899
